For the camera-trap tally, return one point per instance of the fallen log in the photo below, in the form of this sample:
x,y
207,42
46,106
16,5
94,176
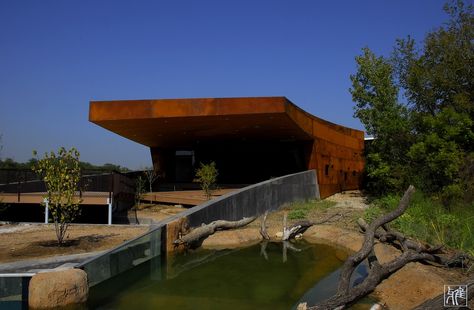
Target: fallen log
x,y
439,256
195,238
301,226
346,295
396,238
263,227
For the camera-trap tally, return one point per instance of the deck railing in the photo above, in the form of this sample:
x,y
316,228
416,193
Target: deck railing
x,y
20,181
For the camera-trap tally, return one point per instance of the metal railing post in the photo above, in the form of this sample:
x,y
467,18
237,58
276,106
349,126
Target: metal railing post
x,y
46,210
109,203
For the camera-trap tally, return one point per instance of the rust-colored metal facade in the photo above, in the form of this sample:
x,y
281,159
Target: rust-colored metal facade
x,y
250,139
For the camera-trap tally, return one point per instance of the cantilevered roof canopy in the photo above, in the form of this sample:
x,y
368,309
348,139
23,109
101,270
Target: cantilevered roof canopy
x,y
182,122
251,139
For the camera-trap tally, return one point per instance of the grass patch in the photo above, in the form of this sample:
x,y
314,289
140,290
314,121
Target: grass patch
x,y
299,210
426,219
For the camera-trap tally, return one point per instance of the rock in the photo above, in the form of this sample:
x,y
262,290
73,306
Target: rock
x,y
58,288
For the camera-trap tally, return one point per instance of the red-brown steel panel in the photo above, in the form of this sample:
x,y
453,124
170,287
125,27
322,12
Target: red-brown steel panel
x,y
164,124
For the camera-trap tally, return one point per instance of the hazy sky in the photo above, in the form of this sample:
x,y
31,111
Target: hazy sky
x,y
55,56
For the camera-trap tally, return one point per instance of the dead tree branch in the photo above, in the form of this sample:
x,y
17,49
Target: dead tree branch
x,y
354,260
195,238
439,256
345,294
263,227
301,226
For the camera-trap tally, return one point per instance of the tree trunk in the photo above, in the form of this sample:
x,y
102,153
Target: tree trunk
x,y
195,238
263,227
301,226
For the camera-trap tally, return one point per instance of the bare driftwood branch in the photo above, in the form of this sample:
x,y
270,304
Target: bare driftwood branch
x,y
354,260
393,237
439,257
346,295
376,275
195,238
301,226
263,227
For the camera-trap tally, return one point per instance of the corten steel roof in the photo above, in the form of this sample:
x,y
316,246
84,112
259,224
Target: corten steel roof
x,y
181,122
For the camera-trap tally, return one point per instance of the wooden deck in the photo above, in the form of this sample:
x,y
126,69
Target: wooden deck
x,y
186,197
189,197
88,198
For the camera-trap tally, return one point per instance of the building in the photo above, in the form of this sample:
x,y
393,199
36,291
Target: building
x,y
250,139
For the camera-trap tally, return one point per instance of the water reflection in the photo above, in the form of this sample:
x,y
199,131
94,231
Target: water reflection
x,y
265,276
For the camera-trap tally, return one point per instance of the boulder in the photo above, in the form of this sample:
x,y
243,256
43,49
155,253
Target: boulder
x,y
58,289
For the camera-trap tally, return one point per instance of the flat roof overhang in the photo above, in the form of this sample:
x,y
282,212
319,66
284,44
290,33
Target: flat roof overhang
x,y
183,122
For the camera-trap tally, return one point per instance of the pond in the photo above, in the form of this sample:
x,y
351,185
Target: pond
x,y
264,276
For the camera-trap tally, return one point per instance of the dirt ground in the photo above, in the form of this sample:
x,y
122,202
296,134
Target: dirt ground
x,y
23,241
30,241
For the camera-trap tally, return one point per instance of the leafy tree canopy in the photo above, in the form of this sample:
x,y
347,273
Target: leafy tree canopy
x,y
419,104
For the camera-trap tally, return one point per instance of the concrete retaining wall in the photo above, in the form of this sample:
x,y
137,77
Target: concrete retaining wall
x,y
249,201
256,199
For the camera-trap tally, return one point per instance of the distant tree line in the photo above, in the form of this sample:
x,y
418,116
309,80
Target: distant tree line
x,y
9,163
418,103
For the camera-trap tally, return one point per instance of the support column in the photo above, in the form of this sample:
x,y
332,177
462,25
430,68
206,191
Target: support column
x,y
161,158
109,203
46,210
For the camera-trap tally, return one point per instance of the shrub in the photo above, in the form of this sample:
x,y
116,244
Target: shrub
x,y
61,174
207,178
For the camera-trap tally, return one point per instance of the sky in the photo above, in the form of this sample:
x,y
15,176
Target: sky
x,y
56,56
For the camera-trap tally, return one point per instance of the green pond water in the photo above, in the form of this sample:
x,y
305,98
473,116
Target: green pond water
x,y
248,278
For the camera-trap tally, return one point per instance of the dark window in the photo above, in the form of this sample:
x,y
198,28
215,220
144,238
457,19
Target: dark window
x,y
326,170
354,173
345,176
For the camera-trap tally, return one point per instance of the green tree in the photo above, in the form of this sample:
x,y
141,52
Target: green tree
x,y
207,178
376,96
429,138
61,174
